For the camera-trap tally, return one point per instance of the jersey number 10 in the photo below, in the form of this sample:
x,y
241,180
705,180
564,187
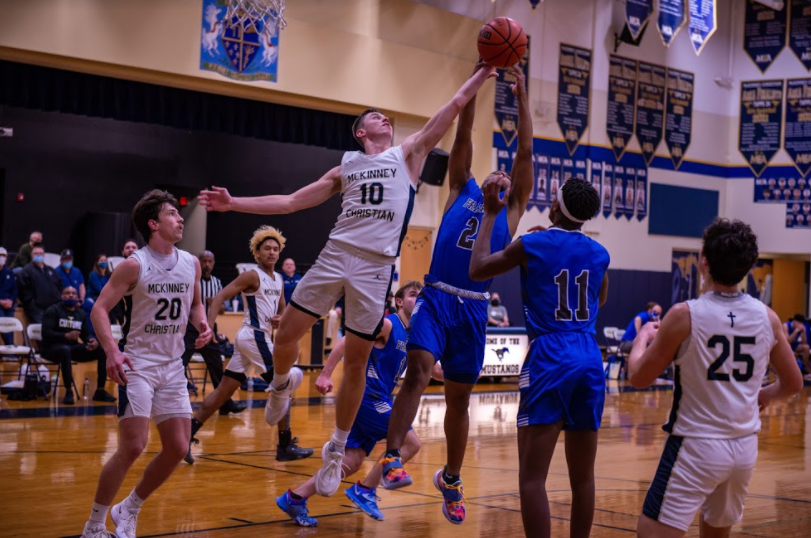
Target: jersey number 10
x,y
563,312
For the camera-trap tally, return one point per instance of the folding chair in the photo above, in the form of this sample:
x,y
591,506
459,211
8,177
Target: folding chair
x,y
114,260
196,360
618,334
14,353
34,332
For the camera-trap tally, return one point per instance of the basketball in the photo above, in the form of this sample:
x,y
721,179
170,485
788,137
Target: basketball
x,y
502,42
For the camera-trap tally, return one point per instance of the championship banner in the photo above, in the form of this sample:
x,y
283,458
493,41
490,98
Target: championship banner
x,y
240,50
798,215
541,182
554,181
761,122
620,113
504,160
580,170
650,108
797,137
799,35
619,191
568,170
703,22
597,177
685,276
679,114
608,182
630,193
672,16
574,72
641,193
506,104
637,13
780,188
764,34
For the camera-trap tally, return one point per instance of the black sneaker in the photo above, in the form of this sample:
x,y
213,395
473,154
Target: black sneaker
x,y
68,399
102,395
292,451
233,407
189,458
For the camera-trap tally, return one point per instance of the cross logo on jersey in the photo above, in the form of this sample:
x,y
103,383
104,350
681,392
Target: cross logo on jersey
x,y
731,317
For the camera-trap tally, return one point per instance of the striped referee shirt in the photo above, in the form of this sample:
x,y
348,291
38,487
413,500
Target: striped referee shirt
x,y
209,288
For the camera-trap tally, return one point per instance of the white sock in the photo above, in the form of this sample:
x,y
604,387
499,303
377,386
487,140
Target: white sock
x,y
99,513
339,438
280,380
134,501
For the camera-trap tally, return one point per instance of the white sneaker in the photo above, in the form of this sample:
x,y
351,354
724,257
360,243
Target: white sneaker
x,y
328,478
96,530
125,520
279,400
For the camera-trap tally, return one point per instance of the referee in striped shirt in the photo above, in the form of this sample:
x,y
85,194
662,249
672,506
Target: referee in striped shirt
x,y
210,285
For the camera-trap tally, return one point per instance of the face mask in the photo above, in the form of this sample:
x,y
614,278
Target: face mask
x,y
67,265
495,302
70,302
38,259
102,265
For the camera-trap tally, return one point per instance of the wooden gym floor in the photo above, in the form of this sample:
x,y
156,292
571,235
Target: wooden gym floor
x,y
50,457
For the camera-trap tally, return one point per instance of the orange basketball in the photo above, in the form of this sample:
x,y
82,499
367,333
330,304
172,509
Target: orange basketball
x,y
502,42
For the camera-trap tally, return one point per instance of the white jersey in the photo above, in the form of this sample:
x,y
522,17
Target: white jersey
x,y
263,304
157,310
377,199
719,370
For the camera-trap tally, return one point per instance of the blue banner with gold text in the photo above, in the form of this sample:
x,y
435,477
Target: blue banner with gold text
x,y
764,34
679,114
797,136
703,22
574,74
621,103
761,119
799,35
672,16
650,108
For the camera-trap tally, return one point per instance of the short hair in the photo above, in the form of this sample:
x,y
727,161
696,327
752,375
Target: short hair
x,y
731,249
149,208
262,234
411,284
358,124
651,305
799,317
130,240
204,254
38,245
581,198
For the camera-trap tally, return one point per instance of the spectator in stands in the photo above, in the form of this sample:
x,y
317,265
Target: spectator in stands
x,y
290,277
130,246
70,275
8,293
798,336
652,313
23,257
210,285
38,286
66,337
98,277
497,313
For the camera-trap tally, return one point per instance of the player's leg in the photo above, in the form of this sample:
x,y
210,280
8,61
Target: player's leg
x,y
214,400
536,445
457,423
650,528
213,359
581,450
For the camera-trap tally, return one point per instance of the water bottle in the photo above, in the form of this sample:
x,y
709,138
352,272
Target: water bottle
x,y
250,384
85,388
235,304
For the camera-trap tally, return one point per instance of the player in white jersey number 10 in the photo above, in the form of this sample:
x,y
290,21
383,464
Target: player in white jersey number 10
x,y
160,286
377,188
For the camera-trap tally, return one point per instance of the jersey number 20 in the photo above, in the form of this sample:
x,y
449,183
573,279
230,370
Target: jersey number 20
x,y
173,307
563,312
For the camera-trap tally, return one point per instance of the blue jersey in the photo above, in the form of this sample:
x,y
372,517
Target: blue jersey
x,y
386,365
457,232
561,281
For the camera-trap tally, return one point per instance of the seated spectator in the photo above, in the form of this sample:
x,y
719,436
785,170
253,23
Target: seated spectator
x,y
130,246
66,337
8,293
497,313
23,257
117,314
98,277
291,279
652,313
70,275
798,336
38,286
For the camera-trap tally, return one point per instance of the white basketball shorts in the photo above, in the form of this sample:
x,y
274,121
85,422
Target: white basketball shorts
x,y
253,352
363,278
707,474
155,390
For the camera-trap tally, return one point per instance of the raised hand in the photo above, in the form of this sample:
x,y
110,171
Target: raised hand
x,y
217,199
493,201
519,87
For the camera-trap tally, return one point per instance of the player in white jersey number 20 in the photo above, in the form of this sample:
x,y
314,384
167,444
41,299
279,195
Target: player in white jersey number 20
x,y
721,345
377,188
160,286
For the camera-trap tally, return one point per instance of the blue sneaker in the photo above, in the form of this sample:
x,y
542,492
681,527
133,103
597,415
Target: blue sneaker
x,y
365,499
394,475
297,510
453,507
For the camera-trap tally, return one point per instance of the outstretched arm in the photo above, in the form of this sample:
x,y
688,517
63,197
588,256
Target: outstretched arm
x,y
417,146
483,264
523,172
461,158
218,198
247,281
789,379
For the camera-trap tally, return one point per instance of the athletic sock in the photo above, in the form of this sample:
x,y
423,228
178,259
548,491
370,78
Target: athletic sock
x,y
393,453
99,513
294,496
449,479
195,426
280,381
285,438
339,438
134,501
